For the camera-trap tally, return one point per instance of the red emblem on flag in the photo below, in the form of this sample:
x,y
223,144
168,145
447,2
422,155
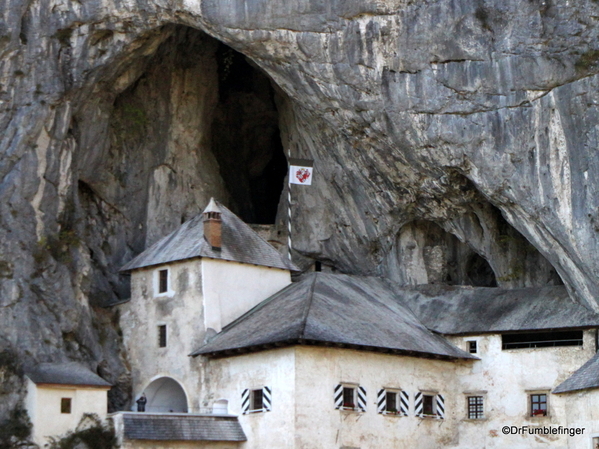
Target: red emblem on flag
x,y
302,175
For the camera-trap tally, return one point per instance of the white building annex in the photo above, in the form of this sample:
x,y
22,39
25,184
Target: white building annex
x,y
59,395
231,354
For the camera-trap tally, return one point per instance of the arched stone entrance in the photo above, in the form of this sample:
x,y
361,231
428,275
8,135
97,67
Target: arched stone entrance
x,y
165,395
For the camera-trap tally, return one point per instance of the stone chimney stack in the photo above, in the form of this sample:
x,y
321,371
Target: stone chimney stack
x,y
213,225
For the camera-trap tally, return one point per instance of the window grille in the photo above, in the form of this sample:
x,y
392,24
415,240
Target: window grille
x,y
541,339
538,404
475,407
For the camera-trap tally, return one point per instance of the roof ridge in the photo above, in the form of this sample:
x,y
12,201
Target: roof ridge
x,y
308,307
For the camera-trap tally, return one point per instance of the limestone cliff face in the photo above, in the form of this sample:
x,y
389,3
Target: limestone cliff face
x,y
454,141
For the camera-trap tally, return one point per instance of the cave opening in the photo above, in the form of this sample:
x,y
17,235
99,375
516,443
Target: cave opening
x,y
246,137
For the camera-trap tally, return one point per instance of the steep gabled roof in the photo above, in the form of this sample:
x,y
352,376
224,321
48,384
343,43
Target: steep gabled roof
x,y
239,244
347,311
70,373
455,310
587,376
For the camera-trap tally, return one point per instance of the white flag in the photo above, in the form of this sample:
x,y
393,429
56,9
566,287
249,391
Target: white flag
x,y
300,171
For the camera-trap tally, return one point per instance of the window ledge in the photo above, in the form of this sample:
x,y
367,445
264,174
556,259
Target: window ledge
x,y
350,409
475,420
259,410
423,416
393,414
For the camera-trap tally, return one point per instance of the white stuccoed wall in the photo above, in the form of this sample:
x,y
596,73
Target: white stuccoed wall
x,y
43,407
508,376
227,378
303,379
181,309
203,293
231,289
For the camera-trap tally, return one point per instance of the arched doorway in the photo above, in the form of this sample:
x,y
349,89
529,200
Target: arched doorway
x,y
166,395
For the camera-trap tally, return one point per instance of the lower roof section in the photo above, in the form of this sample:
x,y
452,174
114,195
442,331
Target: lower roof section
x,y
182,427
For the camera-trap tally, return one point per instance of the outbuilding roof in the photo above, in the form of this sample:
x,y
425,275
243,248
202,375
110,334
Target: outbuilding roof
x,y
347,311
70,373
587,376
177,427
455,310
239,244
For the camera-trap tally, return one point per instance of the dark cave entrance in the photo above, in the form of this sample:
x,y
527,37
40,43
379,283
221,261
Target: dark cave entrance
x,y
246,138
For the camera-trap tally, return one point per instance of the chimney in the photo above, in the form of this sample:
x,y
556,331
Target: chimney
x,y
213,225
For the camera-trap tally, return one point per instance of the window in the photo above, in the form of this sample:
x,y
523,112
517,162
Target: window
x,y
538,404
162,336
429,405
349,400
472,346
162,281
475,407
65,405
595,443
392,401
256,400
541,339
350,397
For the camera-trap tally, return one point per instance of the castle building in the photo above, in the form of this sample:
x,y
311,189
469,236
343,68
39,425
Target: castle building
x,y
230,353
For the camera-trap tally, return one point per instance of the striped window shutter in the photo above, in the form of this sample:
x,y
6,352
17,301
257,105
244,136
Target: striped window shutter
x,y
338,396
404,402
267,399
381,401
418,404
245,401
440,406
362,399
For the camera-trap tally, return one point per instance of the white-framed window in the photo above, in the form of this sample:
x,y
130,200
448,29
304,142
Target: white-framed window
x,y
595,441
475,406
256,400
162,282
350,397
429,404
392,401
472,346
538,404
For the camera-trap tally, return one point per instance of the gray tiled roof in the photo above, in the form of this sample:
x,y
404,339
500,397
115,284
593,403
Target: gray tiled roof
x,y
585,377
239,244
179,427
70,373
457,310
352,311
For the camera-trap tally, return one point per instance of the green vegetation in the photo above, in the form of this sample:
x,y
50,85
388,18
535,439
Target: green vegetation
x,y
64,36
587,61
90,433
16,430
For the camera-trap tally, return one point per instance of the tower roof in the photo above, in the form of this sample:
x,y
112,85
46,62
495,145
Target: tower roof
x,y
240,243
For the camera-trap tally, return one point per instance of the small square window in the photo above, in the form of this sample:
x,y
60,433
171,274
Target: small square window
x,y
429,405
475,407
538,404
162,336
162,281
65,405
472,346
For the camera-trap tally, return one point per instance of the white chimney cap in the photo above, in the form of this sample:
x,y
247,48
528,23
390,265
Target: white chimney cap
x,y
212,207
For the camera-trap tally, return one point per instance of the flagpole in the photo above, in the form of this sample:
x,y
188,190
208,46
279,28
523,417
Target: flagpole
x,y
289,204
300,172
